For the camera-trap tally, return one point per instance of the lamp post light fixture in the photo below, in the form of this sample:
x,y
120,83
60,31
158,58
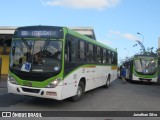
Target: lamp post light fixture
x,y
141,35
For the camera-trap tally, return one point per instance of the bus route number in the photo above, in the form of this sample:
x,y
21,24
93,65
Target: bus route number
x,y
24,33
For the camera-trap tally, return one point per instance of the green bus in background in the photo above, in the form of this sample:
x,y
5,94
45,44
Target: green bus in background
x,y
142,67
58,63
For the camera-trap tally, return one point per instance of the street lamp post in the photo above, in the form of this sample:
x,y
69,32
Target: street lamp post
x,y
141,45
127,53
141,35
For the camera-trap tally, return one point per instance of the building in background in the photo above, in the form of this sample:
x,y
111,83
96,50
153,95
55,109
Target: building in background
x,y
87,31
6,34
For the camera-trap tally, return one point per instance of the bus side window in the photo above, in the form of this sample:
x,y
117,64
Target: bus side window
x,y
109,57
104,56
95,53
81,48
70,52
112,55
67,49
115,59
90,56
98,55
86,52
101,55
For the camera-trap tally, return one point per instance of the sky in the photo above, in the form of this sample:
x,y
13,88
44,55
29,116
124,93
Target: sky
x,y
115,22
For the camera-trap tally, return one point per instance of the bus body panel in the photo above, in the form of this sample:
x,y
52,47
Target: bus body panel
x,y
95,76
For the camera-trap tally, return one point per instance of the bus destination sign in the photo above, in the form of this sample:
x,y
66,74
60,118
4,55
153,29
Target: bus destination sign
x,y
37,33
40,33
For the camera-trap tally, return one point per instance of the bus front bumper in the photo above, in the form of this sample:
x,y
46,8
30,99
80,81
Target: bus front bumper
x,y
52,93
135,78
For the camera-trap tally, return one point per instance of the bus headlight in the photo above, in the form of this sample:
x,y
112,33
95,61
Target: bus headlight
x,y
12,80
54,83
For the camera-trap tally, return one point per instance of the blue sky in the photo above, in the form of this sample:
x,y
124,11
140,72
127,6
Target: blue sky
x,y
116,22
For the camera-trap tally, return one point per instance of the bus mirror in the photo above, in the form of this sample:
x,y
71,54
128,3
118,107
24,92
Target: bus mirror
x,y
13,50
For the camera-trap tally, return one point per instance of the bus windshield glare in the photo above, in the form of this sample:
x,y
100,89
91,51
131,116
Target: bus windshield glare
x,y
145,66
36,55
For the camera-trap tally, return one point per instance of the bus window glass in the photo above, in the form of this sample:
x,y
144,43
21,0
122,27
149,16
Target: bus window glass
x,y
98,55
90,57
104,56
39,55
145,66
112,59
115,59
81,52
109,57
20,53
72,51
101,55
95,53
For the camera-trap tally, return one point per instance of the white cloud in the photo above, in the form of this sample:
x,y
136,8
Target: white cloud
x,y
115,32
129,36
82,4
106,42
124,35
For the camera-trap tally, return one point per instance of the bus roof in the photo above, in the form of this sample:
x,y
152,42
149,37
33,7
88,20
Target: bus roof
x,y
147,55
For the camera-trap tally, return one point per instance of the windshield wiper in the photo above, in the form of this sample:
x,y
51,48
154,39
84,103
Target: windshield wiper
x,y
45,45
26,44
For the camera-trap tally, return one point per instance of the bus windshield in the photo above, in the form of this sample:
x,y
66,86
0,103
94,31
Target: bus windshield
x,y
145,66
36,55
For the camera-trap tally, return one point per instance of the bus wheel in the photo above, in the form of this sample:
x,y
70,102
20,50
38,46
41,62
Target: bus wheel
x,y
107,82
80,92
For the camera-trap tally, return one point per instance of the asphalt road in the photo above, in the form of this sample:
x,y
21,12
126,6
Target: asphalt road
x,y
118,97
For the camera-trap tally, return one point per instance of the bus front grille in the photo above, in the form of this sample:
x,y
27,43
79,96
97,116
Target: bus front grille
x,y
144,79
30,90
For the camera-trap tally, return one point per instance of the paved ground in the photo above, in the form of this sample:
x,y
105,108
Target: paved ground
x,y
119,97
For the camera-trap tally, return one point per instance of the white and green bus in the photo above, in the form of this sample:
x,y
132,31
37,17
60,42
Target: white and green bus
x,y
58,63
142,67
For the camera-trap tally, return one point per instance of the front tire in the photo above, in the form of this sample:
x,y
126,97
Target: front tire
x,y
80,92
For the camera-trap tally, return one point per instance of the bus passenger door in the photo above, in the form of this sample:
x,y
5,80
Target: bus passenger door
x,y
131,71
70,55
70,81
